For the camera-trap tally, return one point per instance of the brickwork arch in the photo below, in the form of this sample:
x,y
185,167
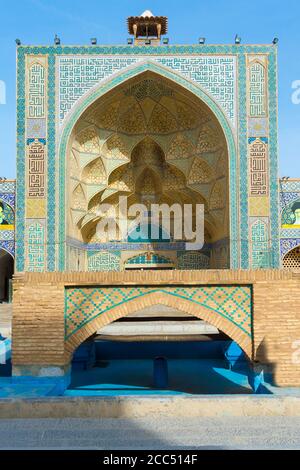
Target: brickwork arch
x,y
161,297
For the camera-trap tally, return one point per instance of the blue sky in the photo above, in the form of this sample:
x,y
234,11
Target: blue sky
x,y
76,21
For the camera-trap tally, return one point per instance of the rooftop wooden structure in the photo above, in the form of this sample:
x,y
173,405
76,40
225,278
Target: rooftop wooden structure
x,y
147,26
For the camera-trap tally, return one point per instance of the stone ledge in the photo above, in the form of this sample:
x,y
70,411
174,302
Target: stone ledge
x,y
155,277
137,407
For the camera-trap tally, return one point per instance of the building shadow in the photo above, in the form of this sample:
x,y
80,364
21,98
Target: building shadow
x,y
262,363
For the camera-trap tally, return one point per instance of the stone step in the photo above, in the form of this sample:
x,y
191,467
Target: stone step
x,y
194,327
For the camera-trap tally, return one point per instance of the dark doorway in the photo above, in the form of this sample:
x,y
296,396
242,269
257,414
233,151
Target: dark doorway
x,y
6,273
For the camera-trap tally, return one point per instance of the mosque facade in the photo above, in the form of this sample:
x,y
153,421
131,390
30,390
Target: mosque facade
x,y
152,123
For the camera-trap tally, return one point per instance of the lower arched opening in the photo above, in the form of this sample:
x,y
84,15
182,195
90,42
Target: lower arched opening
x,y
163,351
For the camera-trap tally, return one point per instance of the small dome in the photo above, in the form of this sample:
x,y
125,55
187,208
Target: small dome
x,y
147,14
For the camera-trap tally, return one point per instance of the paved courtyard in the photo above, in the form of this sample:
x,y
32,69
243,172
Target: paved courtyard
x,y
159,433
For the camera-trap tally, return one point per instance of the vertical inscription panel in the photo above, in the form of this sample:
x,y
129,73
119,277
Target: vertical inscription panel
x,y
260,253
258,162
35,245
36,88
36,161
257,89
36,168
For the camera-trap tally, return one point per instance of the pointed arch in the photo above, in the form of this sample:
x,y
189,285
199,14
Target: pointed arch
x,y
186,84
6,248
291,259
135,304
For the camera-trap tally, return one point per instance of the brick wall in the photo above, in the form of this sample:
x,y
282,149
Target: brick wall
x,y
38,322
276,327
38,313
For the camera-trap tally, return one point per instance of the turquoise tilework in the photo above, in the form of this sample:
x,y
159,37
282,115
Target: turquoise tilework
x,y
286,199
103,261
216,74
260,248
273,160
8,192
6,213
289,194
243,164
20,199
165,51
52,177
148,258
287,244
7,199
82,305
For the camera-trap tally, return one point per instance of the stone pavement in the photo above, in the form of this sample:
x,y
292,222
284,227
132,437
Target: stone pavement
x,y
152,433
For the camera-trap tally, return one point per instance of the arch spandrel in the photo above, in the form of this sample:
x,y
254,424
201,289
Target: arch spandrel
x,y
228,308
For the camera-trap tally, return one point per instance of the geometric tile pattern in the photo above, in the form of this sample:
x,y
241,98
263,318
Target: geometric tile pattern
x,y
290,233
7,187
148,258
36,128
288,216
84,304
290,186
243,163
287,197
260,245
8,192
273,159
216,74
259,206
7,216
21,163
192,260
52,167
7,235
287,244
35,208
258,127
103,261
9,198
